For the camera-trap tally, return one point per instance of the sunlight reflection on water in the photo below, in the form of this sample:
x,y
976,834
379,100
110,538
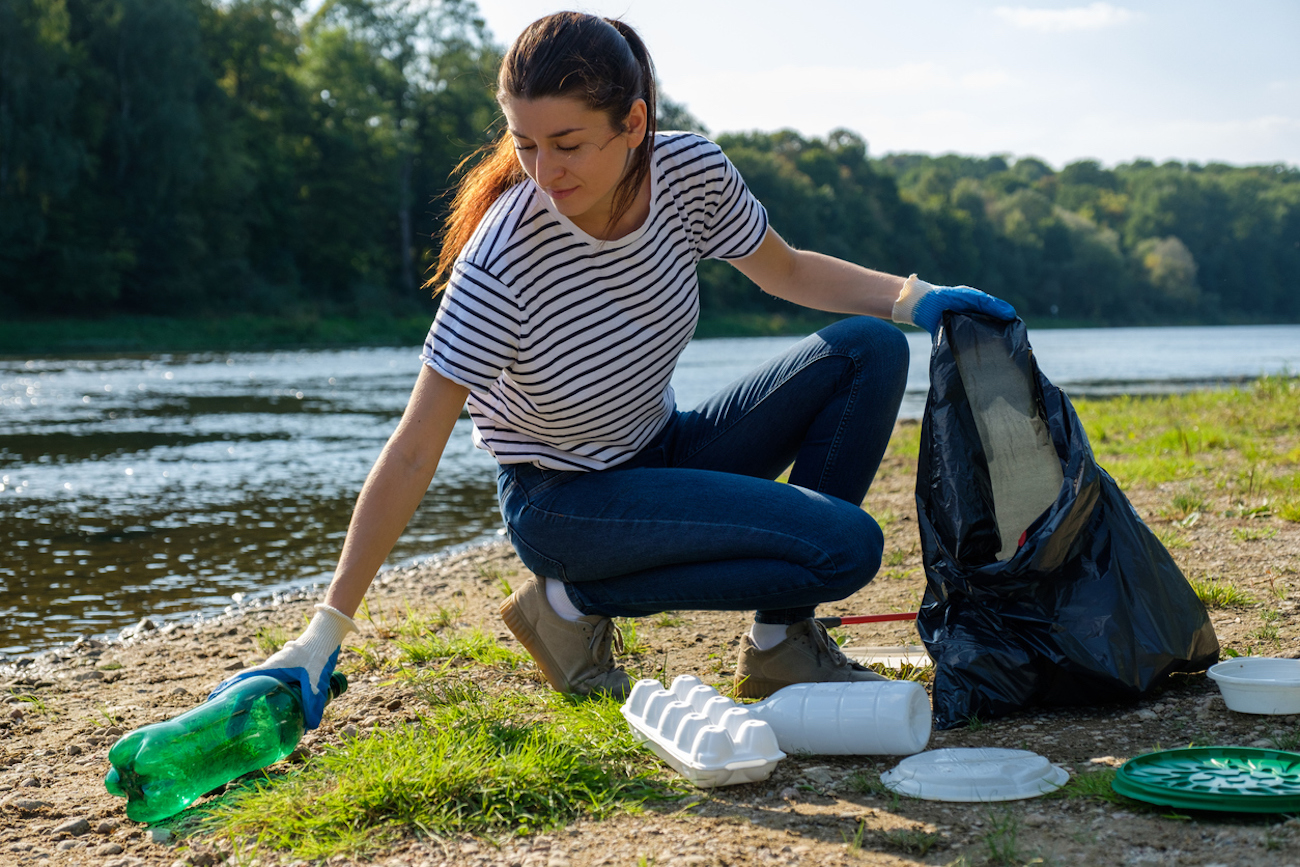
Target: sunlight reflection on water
x,y
162,485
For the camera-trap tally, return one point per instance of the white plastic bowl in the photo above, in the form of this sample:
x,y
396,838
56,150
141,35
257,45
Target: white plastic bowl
x,y
1259,684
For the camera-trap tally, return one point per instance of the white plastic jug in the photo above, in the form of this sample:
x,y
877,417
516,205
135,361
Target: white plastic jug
x,y
866,718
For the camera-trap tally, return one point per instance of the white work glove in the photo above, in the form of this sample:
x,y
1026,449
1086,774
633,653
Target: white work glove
x,y
307,661
923,305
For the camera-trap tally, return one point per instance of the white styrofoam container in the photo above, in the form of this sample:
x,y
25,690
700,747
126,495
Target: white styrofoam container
x,y
706,737
975,774
1259,684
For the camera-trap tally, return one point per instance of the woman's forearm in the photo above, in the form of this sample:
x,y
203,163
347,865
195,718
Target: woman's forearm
x,y
395,486
819,281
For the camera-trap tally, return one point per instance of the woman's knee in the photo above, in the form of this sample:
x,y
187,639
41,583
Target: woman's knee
x,y
862,548
878,345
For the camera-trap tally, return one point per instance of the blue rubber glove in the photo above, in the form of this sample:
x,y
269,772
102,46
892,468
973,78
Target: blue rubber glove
x,y
307,661
923,305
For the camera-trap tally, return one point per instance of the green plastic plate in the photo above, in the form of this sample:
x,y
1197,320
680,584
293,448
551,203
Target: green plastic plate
x,y
1228,779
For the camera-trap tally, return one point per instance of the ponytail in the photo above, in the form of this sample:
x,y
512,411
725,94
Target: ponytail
x,y
601,61
496,170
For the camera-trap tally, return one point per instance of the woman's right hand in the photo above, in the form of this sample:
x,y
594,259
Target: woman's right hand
x,y
307,661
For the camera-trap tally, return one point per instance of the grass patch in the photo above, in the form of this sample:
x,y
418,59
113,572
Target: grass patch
x,y
1219,594
1254,534
916,841
634,644
1003,839
270,639
475,764
468,646
1092,785
1237,442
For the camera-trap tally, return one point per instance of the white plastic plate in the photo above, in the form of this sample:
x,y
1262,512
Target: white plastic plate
x,y
704,736
975,774
1259,684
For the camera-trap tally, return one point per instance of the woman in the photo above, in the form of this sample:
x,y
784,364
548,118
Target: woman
x,y
569,267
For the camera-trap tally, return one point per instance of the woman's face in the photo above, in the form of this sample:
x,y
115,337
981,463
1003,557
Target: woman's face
x,y
573,154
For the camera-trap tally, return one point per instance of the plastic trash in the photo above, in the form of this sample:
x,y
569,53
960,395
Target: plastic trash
x,y
1259,684
704,736
165,767
880,718
1229,779
975,774
1043,584
712,741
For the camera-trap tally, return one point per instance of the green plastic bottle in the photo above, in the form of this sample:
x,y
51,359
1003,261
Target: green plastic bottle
x,y
163,768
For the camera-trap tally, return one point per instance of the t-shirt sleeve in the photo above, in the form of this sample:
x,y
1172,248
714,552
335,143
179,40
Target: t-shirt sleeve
x,y
475,335
735,221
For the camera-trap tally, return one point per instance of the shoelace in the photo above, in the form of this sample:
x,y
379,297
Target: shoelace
x,y
825,644
606,633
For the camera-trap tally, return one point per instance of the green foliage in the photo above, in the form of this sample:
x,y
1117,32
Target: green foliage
x,y
195,156
292,160
474,764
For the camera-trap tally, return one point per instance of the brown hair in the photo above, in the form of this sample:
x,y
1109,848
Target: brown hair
x,y
601,61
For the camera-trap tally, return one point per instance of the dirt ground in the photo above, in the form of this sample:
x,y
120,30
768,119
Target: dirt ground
x,y
66,708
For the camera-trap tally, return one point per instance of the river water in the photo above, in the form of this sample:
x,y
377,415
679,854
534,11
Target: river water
x,y
174,485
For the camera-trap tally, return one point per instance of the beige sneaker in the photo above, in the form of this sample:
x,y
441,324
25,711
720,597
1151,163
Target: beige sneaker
x,y
575,656
807,655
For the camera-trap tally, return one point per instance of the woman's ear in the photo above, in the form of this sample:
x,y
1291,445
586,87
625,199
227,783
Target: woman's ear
x,y
634,125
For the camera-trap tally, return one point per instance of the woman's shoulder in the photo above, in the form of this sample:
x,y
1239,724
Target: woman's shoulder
x,y
674,148
516,212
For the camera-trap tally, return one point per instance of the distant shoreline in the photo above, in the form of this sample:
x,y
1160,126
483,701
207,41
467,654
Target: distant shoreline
x,y
148,335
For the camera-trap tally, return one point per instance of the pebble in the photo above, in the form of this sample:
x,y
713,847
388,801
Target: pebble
x,y
108,849
160,835
16,715
75,827
789,793
31,783
180,690
1147,714
27,804
819,775
349,732
69,844
108,826
73,750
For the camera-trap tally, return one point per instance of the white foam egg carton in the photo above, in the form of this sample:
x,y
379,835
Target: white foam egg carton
x,y
706,737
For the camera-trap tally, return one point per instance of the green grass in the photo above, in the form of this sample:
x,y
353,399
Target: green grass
x,y
1241,443
473,764
1094,785
1219,594
467,647
634,644
270,639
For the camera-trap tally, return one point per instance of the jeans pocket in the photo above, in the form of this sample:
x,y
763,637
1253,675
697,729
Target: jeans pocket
x,y
535,560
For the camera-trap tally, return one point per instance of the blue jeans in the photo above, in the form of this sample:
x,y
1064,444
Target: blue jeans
x,y
695,520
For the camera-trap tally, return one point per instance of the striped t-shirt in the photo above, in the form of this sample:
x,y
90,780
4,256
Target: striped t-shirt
x,y
566,342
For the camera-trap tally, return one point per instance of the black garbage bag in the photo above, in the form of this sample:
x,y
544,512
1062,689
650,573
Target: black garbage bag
x,y
1043,586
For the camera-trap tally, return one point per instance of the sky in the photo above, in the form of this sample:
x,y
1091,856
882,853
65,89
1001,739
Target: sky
x,y
1193,80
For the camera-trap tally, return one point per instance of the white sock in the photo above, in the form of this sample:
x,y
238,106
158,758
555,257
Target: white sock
x,y
560,601
767,635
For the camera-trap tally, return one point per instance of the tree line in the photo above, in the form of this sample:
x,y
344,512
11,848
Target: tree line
x,y
210,157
